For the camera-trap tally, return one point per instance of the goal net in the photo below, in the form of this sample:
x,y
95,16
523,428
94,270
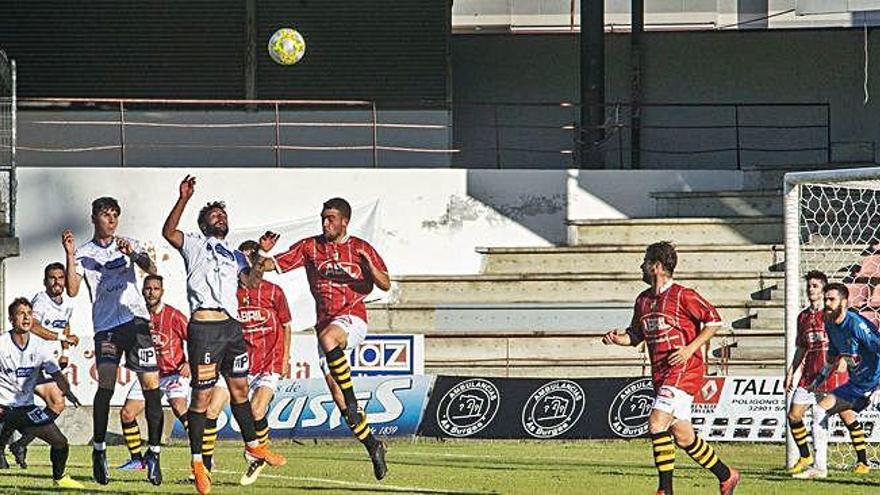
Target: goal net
x,y
832,224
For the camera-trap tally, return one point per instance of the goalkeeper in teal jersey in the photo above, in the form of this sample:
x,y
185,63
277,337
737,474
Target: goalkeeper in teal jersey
x,y
854,343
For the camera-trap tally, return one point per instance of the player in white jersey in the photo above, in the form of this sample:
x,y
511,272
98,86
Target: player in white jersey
x,y
122,326
51,313
22,361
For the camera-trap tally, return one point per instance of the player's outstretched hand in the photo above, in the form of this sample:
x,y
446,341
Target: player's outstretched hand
x,y
188,187
612,337
124,246
68,241
268,241
184,370
72,398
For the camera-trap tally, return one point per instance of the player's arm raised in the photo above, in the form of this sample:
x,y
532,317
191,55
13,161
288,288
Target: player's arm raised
x,y
72,277
169,230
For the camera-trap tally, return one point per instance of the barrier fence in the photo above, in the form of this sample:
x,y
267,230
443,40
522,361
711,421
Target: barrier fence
x,y
733,408
296,133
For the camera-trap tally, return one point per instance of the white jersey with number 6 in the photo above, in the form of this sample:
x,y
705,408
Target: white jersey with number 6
x,y
20,369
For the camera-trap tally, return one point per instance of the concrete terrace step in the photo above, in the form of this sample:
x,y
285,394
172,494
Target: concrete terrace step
x,y
522,318
536,355
681,231
582,259
742,203
726,288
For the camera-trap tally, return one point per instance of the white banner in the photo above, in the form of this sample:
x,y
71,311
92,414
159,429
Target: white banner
x,y
752,408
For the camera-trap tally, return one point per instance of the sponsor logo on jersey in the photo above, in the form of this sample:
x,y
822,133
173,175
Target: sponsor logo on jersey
x,y
340,271
113,264
252,317
24,372
553,409
468,408
630,409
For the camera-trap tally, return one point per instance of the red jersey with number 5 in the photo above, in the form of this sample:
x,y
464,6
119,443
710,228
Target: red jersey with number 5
x,y
811,337
168,331
339,276
667,322
263,312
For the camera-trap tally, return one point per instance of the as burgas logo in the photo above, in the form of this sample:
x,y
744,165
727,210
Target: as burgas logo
x,y
628,415
468,408
553,409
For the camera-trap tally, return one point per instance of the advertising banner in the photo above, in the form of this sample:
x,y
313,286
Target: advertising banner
x,y
520,408
305,409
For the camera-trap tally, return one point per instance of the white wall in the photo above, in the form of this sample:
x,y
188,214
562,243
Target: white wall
x,y
422,221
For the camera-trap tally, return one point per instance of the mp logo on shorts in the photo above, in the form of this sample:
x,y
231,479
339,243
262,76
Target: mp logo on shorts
x,y
553,409
468,407
628,415
147,357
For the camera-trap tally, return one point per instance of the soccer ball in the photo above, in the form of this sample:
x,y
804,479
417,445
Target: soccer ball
x,y
287,46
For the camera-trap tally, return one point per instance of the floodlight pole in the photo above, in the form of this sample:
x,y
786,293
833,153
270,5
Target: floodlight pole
x,y
592,44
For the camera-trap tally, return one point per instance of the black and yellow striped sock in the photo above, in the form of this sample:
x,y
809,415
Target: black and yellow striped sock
x,y
341,373
704,455
801,437
857,436
262,427
208,442
132,435
664,459
364,433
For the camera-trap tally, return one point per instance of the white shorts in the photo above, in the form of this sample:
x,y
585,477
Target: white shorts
x,y
674,401
803,397
355,330
172,386
268,380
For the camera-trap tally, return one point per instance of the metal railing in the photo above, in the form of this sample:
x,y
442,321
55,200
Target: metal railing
x,y
8,137
285,133
722,135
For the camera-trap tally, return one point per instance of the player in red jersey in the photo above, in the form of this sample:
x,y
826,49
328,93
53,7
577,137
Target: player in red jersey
x,y
168,330
809,358
265,320
675,322
342,271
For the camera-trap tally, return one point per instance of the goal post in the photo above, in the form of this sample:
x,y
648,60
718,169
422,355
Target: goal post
x,y
832,224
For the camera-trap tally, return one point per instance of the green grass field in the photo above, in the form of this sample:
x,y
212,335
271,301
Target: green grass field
x,y
453,467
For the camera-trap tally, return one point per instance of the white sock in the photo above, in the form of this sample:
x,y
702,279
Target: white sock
x,y
253,443
197,457
820,437
155,448
100,445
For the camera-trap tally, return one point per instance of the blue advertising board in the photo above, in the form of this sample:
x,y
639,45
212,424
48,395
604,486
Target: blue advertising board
x,y
305,409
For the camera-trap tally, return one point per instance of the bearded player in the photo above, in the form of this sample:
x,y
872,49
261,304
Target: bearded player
x,y
675,322
810,357
854,345
342,270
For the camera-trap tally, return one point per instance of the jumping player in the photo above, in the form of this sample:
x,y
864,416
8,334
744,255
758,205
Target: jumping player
x,y
342,271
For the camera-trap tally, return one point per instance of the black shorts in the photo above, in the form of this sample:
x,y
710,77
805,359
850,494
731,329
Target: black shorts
x,y
132,339
215,346
21,418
